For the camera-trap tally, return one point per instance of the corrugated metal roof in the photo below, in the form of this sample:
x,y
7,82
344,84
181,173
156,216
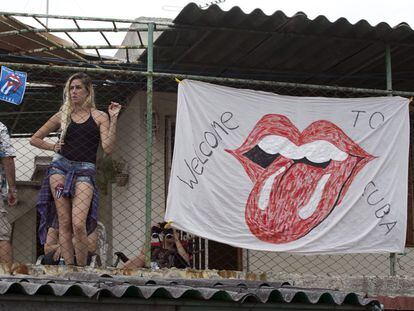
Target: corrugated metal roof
x,y
94,286
45,86
15,47
281,48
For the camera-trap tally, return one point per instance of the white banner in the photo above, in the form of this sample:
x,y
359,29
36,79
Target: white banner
x,y
294,174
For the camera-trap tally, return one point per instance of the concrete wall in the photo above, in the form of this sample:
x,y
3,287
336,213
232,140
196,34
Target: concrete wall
x,y
24,238
25,155
24,228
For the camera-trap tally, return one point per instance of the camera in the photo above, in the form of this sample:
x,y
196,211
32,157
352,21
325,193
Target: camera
x,y
168,233
156,231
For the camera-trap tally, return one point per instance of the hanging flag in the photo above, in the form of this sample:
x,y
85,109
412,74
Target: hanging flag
x,y
303,175
12,85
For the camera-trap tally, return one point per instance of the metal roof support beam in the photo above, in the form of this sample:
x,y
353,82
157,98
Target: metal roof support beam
x,y
85,18
46,39
388,67
52,30
40,22
139,37
148,179
76,23
106,39
388,70
172,76
20,48
99,55
73,40
80,47
284,84
75,69
26,37
127,55
172,26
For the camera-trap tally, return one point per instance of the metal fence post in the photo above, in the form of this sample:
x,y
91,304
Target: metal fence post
x,y
148,179
388,69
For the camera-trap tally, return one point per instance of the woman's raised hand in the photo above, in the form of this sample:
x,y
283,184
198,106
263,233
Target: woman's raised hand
x,y
176,235
114,109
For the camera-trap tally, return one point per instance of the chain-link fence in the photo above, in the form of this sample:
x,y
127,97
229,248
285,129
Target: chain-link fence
x,y
127,195
116,228
220,256
120,178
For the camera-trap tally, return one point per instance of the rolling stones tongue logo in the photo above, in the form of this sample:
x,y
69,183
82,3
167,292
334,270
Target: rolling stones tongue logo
x,y
298,177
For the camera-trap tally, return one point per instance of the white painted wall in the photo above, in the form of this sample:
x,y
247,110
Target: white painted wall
x,y
129,202
25,155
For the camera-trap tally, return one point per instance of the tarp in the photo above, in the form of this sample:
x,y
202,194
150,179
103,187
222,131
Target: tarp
x,y
304,175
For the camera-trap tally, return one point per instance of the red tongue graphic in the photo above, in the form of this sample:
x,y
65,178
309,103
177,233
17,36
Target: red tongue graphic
x,y
280,221
290,198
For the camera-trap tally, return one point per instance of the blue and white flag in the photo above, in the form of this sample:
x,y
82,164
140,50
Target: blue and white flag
x,y
12,85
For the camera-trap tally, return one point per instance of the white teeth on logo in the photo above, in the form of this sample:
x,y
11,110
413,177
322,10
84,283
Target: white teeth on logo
x,y
318,151
267,187
306,211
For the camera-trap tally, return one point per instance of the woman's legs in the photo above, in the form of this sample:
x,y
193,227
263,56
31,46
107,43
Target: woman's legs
x,y
80,207
64,217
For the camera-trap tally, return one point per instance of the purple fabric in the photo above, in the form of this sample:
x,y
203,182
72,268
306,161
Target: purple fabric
x,y
46,204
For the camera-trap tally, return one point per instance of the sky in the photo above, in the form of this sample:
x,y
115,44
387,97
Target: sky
x,y
374,11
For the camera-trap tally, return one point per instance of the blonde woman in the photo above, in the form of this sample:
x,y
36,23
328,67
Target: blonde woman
x,y
69,187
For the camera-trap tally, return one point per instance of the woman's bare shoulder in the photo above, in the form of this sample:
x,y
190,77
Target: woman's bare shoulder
x,y
99,116
56,117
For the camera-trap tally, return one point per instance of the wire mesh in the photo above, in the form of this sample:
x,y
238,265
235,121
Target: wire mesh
x,y
219,256
121,180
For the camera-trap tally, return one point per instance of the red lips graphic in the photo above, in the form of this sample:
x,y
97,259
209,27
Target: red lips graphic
x,y
293,194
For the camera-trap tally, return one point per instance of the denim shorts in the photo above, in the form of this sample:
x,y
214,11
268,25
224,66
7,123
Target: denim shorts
x,y
69,165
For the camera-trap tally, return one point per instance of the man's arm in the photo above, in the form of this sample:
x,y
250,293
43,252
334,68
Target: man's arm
x,y
10,171
8,153
180,248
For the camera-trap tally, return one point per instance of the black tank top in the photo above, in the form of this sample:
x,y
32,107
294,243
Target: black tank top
x,y
81,141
